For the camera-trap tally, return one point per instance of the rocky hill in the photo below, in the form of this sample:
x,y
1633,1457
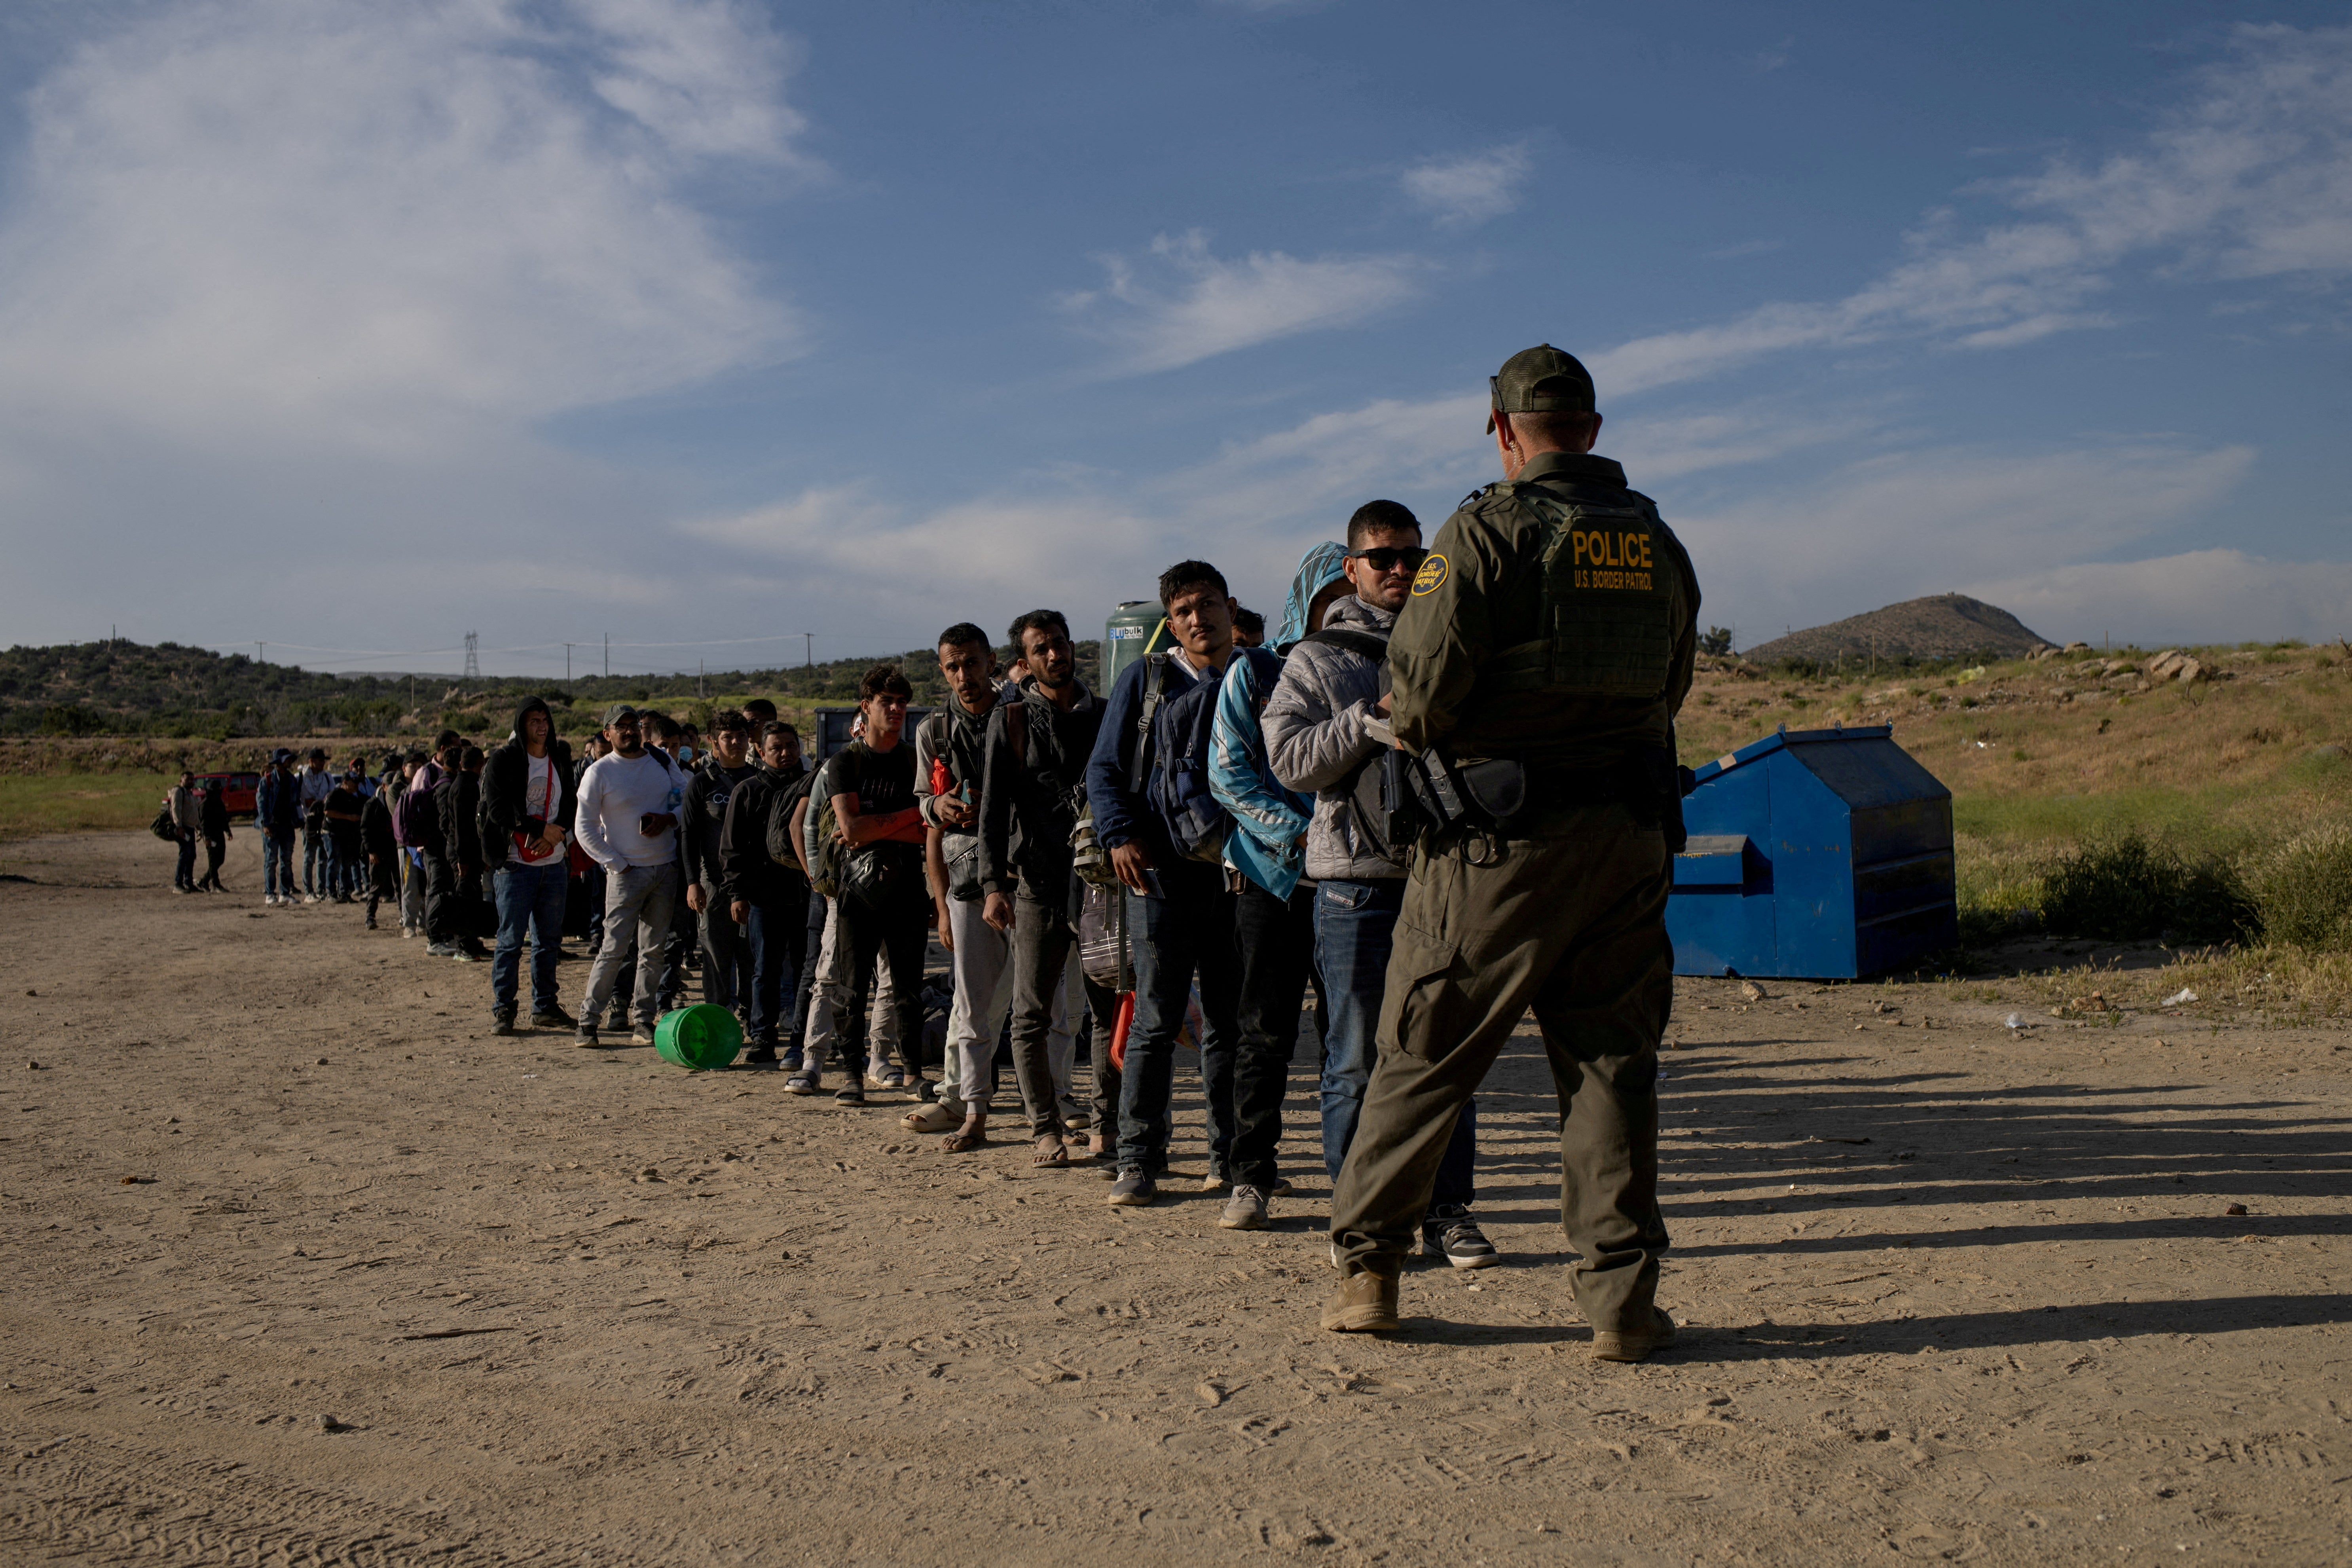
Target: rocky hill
x,y
1940,626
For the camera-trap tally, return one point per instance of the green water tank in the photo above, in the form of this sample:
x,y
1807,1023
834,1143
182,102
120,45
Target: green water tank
x,y
1135,627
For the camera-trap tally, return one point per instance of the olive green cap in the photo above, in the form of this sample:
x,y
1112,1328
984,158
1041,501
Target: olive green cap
x,y
616,714
1541,379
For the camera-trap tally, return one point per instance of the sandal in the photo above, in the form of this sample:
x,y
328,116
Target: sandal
x,y
1057,1155
801,1083
960,1142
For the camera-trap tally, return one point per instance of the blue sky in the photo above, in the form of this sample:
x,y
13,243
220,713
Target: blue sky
x,y
353,327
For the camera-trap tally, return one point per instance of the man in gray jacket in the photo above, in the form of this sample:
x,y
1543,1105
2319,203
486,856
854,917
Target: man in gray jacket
x,y
1326,727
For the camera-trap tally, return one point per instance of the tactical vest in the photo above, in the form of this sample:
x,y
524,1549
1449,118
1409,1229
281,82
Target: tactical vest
x,y
1608,614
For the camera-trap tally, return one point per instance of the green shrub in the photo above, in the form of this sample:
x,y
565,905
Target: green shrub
x,y
2304,890
2127,888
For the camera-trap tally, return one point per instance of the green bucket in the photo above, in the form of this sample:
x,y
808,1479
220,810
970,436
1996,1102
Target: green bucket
x,y
703,1037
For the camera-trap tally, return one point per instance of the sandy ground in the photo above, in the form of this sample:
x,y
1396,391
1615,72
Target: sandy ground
x,y
1951,1292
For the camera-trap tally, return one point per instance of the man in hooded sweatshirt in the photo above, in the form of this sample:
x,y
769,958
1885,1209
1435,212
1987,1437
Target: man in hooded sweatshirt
x,y
529,800
1324,732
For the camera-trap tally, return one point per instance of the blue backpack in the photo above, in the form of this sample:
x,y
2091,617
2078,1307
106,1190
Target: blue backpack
x,y
1172,762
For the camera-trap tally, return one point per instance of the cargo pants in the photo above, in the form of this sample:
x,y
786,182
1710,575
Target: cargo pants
x,y
1571,923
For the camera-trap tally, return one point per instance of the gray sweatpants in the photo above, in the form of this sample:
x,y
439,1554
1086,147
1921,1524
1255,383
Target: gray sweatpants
x,y
647,896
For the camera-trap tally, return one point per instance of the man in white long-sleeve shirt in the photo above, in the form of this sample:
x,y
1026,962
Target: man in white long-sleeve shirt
x,y
627,824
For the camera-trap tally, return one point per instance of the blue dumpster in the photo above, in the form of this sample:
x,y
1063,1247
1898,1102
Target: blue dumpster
x,y
1818,853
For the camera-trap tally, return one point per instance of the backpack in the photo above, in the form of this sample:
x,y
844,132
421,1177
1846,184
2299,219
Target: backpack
x,y
162,828
784,809
1172,759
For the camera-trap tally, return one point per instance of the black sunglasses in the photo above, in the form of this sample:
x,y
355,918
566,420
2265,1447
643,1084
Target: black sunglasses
x,y
1387,559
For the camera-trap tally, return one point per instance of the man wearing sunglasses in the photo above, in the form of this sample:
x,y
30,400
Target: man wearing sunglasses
x,y
1553,627
1322,734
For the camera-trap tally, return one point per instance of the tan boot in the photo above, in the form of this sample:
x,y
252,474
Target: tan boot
x,y
1366,1304
1633,1344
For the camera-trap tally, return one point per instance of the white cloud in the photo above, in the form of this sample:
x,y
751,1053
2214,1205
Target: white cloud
x,y
2250,179
1904,524
1184,304
323,219
1460,192
2199,596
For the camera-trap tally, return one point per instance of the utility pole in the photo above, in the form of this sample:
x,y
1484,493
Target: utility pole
x,y
257,651
608,655
567,664
699,692
809,648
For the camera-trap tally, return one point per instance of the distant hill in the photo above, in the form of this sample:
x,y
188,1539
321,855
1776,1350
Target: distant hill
x,y
169,690
1940,626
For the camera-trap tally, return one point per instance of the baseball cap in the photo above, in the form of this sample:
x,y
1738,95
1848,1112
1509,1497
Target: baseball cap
x,y
281,755
616,714
1541,380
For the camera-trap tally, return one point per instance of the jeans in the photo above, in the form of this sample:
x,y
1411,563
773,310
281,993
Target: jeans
x,y
820,916
529,898
277,863
184,876
779,938
383,885
441,912
347,863
1278,948
318,863
726,954
897,933
638,898
1043,940
1190,931
1353,926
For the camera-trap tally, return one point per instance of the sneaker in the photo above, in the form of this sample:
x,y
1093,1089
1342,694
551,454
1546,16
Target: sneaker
x,y
441,950
370,924
1366,1304
850,1093
760,1056
792,1059
642,1035
552,1018
502,1022
1449,1233
1245,1210
1633,1344
801,1083
407,932
466,955
1216,1182
617,1023
1133,1189
586,1036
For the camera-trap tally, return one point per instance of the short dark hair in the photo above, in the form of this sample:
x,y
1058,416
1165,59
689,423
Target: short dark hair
x,y
730,719
447,739
1381,517
1562,431
885,677
1037,621
661,724
963,633
471,760
761,709
775,727
1248,621
1189,574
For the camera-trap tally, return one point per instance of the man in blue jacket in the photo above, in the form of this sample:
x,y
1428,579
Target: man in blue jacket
x,y
277,812
1180,902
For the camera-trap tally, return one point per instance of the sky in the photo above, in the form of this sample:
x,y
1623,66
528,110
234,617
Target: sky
x,y
733,330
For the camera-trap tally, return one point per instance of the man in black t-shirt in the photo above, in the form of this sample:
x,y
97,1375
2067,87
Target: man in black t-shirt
x,y
342,807
884,907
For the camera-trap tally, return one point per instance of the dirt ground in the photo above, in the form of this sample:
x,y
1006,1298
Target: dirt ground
x,y
1949,1291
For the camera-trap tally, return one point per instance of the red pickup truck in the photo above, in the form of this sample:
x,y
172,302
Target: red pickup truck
x,y
237,790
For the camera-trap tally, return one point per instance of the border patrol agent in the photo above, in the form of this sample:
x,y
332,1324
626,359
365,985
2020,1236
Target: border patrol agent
x,y
1550,641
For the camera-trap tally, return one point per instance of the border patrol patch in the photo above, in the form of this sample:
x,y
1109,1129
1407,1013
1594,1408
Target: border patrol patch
x,y
1431,577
